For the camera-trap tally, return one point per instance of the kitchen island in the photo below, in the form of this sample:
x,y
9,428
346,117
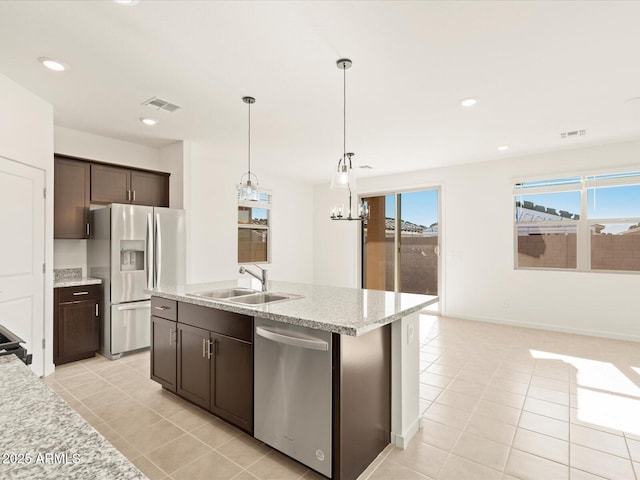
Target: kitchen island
x,y
203,349
43,437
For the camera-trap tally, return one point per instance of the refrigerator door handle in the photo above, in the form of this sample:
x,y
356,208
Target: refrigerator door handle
x,y
135,306
150,256
158,263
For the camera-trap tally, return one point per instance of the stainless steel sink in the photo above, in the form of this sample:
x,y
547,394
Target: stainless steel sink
x,y
261,298
245,296
224,293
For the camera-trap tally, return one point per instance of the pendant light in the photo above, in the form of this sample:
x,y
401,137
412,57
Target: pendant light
x,y
247,189
343,176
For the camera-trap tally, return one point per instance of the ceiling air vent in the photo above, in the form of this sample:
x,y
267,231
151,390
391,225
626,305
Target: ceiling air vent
x,y
574,133
160,104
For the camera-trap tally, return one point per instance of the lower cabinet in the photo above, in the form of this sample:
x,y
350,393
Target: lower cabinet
x,y
76,323
163,352
208,360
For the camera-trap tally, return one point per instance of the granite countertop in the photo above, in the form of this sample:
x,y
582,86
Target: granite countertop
x,y
72,277
43,437
348,311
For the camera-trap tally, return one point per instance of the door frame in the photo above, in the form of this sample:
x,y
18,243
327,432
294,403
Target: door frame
x,y
441,237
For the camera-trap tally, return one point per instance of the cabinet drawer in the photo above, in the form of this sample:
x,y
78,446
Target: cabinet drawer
x,y
80,293
163,308
227,323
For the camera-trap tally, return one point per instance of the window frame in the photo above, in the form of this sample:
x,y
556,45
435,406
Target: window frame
x,y
584,224
264,201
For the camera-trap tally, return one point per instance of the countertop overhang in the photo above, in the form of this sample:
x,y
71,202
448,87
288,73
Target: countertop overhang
x,y
347,311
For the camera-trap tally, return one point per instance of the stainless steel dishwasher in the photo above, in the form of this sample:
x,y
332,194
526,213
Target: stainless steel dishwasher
x,y
292,392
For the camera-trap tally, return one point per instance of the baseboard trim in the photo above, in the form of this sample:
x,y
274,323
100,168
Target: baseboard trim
x,y
543,326
402,440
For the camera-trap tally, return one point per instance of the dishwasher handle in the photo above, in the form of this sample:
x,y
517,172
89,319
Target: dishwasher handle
x,y
292,340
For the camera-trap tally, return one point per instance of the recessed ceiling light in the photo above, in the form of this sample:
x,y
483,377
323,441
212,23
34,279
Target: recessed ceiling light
x,y
468,102
52,64
502,148
148,121
126,2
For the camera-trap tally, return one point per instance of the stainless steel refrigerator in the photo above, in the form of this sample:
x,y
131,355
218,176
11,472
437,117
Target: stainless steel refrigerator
x,y
133,248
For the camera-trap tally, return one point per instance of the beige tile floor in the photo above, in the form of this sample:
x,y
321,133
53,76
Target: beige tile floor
x,y
498,402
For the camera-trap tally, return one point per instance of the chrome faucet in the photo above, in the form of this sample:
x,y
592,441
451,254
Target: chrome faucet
x,y
262,277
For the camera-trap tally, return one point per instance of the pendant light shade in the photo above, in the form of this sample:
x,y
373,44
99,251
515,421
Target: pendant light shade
x,y
344,177
248,186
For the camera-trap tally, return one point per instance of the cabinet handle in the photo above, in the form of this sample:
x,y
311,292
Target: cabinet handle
x,y
211,353
97,311
204,347
80,293
171,332
134,195
162,308
88,229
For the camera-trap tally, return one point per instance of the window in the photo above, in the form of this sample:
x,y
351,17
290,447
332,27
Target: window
x,y
589,223
254,233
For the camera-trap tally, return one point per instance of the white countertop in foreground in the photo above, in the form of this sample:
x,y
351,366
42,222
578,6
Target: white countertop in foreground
x,y
42,437
348,311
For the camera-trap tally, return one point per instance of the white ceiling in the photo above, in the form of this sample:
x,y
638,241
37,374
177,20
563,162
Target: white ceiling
x,y
537,69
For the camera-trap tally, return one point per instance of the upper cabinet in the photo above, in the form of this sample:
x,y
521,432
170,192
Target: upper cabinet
x,y
71,198
79,183
111,184
149,188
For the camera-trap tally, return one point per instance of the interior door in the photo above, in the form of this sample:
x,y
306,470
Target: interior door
x,y
22,246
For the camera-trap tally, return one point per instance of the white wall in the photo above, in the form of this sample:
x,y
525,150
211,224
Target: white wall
x,y
26,135
212,219
73,253
479,281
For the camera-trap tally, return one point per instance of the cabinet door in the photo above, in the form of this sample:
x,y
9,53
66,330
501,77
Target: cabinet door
x,y
232,380
193,365
110,184
149,188
71,198
163,352
77,330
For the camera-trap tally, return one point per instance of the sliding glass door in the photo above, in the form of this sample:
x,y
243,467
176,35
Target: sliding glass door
x,y
400,242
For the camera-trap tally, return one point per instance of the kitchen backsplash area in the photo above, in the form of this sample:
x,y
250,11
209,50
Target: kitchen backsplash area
x,y
70,254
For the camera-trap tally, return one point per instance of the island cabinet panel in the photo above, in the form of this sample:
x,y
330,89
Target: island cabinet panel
x,y
361,400
76,323
193,365
232,380
164,335
71,199
212,358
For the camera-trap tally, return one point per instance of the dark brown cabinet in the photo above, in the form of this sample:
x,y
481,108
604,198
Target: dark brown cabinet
x,y
163,352
164,338
149,188
78,183
71,198
76,323
213,359
112,184
231,382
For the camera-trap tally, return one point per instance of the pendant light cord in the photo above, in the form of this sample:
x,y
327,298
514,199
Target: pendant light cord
x,y
344,114
249,160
